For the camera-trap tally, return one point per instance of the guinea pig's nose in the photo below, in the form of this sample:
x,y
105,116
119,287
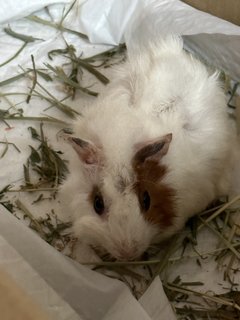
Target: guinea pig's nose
x,y
127,254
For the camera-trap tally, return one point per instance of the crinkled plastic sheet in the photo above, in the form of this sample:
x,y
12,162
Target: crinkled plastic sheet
x,y
11,9
73,291
77,292
214,39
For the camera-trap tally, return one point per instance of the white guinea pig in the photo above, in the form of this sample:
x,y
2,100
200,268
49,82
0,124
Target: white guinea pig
x,y
152,151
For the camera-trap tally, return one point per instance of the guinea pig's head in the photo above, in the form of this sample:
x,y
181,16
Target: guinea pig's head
x,y
125,207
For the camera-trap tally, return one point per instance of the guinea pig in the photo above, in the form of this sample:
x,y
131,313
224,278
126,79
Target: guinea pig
x,y
149,153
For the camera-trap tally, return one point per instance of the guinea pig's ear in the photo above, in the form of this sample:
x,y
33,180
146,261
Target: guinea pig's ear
x,y
87,151
153,149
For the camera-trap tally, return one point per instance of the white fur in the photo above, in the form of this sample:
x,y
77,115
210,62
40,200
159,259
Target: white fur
x,y
159,90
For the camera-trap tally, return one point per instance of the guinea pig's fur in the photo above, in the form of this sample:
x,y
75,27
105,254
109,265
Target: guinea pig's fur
x,y
152,151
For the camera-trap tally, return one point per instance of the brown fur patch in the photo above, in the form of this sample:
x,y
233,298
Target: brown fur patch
x,y
149,175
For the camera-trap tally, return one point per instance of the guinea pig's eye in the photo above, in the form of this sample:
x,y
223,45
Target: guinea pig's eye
x,y
146,201
98,204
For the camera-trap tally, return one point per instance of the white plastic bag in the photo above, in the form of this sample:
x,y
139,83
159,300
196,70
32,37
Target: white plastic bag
x,y
16,9
214,39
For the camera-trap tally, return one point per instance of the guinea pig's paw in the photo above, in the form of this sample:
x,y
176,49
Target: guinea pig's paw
x,y
234,220
83,253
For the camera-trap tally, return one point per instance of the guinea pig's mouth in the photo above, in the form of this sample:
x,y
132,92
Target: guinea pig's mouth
x,y
104,255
